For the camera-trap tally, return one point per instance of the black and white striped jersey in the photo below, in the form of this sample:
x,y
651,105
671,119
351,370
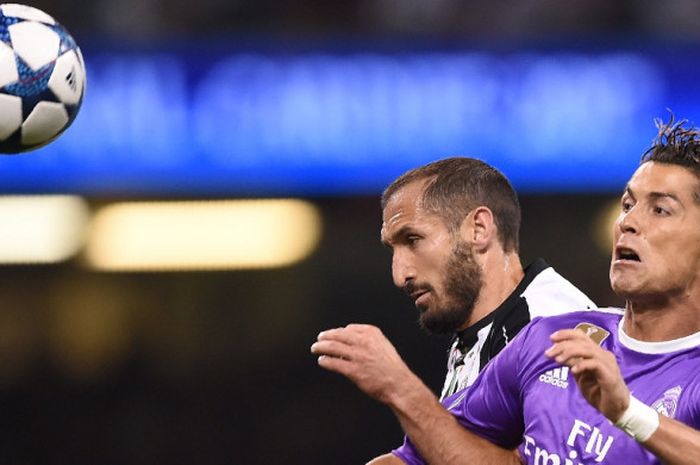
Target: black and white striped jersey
x,y
541,292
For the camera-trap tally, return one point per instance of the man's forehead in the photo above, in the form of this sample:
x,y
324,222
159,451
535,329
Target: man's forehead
x,y
404,211
663,178
399,214
404,223
404,201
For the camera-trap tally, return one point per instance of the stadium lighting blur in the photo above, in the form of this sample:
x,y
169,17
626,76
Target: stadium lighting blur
x,y
603,225
201,235
41,229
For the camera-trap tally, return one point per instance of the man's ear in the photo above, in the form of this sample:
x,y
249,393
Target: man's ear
x,y
479,228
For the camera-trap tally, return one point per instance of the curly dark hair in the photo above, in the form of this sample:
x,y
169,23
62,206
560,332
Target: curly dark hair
x,y
456,186
677,143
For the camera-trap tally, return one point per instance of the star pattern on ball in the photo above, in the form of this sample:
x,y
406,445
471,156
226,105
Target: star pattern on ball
x,y
32,85
5,23
42,78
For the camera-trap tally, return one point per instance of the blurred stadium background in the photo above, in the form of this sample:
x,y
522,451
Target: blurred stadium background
x,y
169,260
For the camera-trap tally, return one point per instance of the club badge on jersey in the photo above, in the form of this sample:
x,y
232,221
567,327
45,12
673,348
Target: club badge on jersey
x,y
596,333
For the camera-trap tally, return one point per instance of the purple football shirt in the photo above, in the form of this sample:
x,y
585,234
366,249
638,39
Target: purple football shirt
x,y
523,399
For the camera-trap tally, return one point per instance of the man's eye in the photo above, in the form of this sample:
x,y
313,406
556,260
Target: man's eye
x,y
412,240
626,206
661,211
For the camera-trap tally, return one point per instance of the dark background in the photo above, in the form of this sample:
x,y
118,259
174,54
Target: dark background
x,y
214,367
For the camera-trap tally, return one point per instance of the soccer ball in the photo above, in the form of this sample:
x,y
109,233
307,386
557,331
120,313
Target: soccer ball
x,y
42,78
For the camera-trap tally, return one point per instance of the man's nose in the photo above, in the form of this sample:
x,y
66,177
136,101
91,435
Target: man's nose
x,y
627,222
402,269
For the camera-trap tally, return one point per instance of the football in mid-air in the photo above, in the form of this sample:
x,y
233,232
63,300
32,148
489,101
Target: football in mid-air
x,y
42,78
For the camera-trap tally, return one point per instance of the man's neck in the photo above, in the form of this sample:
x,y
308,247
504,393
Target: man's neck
x,y
662,320
502,272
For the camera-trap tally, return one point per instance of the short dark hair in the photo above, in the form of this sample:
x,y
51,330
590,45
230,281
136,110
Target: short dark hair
x,y
458,185
676,144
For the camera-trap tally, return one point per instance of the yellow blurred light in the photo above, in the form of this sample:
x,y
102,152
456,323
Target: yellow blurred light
x,y
222,234
41,229
603,225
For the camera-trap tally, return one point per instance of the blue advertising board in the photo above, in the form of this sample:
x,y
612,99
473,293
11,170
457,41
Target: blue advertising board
x,y
212,121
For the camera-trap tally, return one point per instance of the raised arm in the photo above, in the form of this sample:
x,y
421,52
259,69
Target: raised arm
x,y
366,357
600,381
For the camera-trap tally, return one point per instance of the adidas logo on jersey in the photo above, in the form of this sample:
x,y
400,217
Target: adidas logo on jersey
x,y
558,377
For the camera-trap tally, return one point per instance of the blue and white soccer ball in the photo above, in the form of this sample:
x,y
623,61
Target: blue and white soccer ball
x,y
42,78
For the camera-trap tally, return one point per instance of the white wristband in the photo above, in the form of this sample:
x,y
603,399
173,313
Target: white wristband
x,y
639,420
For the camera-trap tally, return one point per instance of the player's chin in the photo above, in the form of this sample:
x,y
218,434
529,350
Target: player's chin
x,y
435,322
425,318
620,280
625,288
423,309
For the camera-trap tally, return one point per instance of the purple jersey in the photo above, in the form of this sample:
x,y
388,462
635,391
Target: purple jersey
x,y
523,399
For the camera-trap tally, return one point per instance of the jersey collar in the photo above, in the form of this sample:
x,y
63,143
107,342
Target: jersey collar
x,y
663,347
469,336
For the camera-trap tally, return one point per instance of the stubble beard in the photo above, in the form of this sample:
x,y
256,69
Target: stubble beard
x,y
463,280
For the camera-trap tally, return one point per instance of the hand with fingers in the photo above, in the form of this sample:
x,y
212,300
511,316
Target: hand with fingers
x,y
365,356
595,370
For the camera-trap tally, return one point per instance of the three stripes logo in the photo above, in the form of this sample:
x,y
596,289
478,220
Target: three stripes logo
x,y
558,377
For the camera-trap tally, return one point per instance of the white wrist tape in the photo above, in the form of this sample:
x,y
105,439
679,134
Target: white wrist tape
x,y
639,420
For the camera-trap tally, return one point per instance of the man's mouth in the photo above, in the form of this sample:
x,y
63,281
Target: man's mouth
x,y
417,294
419,297
626,254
